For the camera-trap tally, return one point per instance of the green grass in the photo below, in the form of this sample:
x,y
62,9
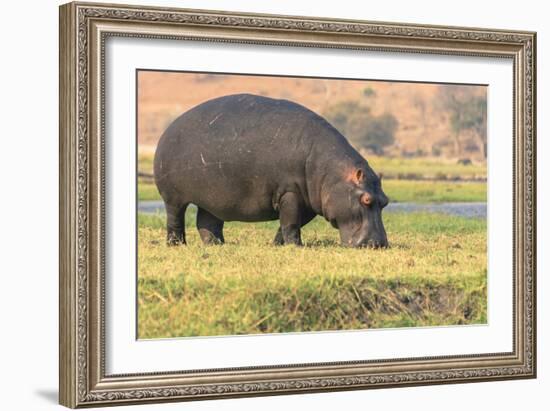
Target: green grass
x,y
433,274
413,168
147,191
434,191
397,190
399,167
145,162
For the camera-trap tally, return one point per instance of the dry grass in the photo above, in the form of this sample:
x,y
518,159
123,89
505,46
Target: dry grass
x,y
433,274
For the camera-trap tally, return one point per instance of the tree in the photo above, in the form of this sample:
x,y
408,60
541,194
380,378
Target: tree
x,y
363,130
369,92
467,115
379,132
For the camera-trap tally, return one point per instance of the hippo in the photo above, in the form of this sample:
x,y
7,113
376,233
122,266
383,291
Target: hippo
x,y
251,158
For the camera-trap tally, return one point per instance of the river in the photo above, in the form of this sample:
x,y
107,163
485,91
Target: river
x,y
470,210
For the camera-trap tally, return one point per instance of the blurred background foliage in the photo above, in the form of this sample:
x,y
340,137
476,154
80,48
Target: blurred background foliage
x,y
363,129
444,123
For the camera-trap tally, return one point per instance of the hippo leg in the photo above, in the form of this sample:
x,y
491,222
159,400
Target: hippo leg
x,y
210,227
278,240
306,218
290,216
175,224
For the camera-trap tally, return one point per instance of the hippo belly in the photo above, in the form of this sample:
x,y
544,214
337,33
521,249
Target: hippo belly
x,y
234,199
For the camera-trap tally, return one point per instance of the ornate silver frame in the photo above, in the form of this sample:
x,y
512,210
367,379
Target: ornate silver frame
x,y
83,30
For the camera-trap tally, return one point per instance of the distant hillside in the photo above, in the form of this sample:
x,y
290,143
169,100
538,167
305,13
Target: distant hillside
x,y
424,127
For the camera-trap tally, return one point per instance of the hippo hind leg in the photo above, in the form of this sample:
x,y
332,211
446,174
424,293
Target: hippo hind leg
x,y
210,227
175,224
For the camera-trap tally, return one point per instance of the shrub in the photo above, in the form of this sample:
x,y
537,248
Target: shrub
x,y
361,128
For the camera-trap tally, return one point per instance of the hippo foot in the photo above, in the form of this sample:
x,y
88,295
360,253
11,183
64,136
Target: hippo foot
x,y
278,240
210,238
213,241
174,242
291,239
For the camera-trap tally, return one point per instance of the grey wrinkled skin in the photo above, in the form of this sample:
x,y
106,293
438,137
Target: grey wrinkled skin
x,y
250,158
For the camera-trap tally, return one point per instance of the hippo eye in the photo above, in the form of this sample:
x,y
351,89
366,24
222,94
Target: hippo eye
x,y
366,199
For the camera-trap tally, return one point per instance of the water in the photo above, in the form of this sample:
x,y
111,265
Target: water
x,y
470,210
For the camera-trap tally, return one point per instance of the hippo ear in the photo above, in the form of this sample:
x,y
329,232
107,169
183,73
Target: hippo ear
x,y
359,176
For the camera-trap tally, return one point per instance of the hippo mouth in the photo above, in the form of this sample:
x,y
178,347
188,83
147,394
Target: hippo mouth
x,y
362,238
367,243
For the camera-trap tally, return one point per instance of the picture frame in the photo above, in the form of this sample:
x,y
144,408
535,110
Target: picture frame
x,y
84,30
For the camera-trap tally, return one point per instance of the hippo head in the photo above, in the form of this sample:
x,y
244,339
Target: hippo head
x,y
354,206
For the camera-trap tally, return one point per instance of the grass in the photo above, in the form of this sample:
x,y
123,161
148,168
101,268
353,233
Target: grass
x,y
434,191
397,191
145,161
425,167
433,274
147,191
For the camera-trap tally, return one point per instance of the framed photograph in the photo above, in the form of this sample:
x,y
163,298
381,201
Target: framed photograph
x,y
260,204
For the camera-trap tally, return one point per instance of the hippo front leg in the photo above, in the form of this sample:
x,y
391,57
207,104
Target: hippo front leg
x,y
306,217
278,240
290,216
